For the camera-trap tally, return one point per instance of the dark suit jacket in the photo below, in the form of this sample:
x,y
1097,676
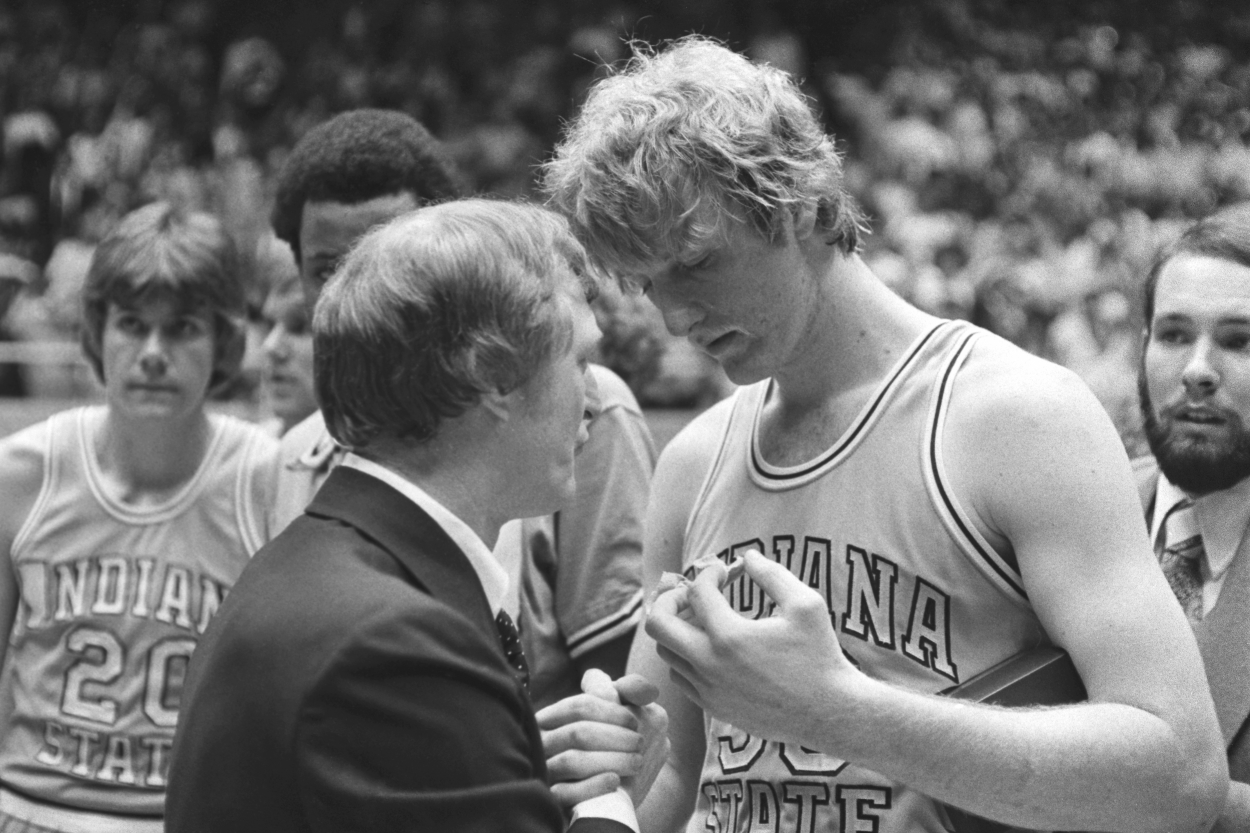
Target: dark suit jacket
x,y
1223,638
353,680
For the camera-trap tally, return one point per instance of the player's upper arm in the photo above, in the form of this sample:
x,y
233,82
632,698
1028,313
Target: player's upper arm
x,y
1044,474
21,481
262,489
679,476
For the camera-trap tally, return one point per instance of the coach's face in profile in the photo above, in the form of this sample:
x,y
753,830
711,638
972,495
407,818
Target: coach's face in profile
x,y
1195,381
552,409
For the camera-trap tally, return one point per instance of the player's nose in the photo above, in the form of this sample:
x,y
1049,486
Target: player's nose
x,y
152,358
275,344
679,318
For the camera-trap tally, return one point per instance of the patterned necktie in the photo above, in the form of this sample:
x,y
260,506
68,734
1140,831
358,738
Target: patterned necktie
x,y
1181,558
510,638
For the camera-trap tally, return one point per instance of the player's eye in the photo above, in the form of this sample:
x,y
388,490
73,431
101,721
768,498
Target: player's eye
x,y
186,328
701,263
1235,341
130,324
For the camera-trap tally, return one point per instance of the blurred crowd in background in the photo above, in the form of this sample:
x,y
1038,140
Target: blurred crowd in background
x,y
1021,163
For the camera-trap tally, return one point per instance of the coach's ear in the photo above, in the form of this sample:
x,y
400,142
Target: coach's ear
x,y
804,217
500,405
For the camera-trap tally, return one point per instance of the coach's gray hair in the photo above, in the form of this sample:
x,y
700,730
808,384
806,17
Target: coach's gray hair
x,y
665,149
437,307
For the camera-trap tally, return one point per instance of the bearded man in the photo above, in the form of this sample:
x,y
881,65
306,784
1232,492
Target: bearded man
x,y
1195,397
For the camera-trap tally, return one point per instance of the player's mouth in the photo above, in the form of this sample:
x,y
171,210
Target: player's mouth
x,y
719,345
152,387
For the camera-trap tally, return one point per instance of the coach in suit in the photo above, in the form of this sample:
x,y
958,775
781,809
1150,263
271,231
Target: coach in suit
x,y
1195,398
360,677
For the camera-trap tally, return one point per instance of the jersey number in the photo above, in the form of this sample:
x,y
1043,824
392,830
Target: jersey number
x,y
99,663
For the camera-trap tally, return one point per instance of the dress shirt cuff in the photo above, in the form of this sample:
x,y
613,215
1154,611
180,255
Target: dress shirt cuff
x,y
615,806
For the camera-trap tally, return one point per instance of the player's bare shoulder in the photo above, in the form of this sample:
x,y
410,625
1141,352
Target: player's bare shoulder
x,y
692,451
1019,427
23,456
683,465
1002,389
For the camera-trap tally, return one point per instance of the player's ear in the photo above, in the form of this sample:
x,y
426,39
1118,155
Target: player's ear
x,y
804,218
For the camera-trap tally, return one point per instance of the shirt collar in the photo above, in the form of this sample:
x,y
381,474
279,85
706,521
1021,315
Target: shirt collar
x,y
490,572
1222,520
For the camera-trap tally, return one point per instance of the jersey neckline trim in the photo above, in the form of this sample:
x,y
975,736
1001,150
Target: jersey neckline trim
x,y
769,476
175,505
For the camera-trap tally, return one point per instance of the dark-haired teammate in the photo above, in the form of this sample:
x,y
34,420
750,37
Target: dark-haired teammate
x,y
928,500
124,525
355,171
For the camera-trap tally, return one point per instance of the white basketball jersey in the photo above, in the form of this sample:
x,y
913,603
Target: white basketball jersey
x,y
113,600
917,596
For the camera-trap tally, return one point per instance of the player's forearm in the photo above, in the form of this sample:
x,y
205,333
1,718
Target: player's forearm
x,y
669,804
1092,766
1235,817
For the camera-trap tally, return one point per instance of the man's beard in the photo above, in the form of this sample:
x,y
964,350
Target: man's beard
x,y
1199,465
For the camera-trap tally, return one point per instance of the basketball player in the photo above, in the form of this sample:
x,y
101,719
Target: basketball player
x,y
345,176
124,524
288,355
928,500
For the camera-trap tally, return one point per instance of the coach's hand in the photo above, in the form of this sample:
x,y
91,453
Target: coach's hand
x,y
764,676
613,735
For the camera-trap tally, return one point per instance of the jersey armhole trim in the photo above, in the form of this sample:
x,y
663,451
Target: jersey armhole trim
x,y
47,485
251,532
1000,572
607,628
718,461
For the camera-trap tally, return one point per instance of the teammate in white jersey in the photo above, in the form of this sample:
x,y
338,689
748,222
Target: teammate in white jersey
x,y
928,500
125,524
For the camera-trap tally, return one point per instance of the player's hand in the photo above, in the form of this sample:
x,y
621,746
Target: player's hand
x,y
613,735
765,676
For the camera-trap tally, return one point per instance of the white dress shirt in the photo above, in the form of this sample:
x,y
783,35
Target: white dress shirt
x,y
490,572
1222,519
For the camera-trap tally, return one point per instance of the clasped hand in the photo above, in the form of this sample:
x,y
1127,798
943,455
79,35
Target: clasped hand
x,y
769,677
613,735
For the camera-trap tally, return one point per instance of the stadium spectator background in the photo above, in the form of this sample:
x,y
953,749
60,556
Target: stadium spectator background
x,y
1021,163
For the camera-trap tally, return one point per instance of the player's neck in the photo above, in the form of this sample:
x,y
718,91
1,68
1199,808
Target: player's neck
x,y
147,460
858,332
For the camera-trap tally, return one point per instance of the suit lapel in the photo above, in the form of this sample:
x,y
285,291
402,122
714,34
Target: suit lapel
x,y
415,540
